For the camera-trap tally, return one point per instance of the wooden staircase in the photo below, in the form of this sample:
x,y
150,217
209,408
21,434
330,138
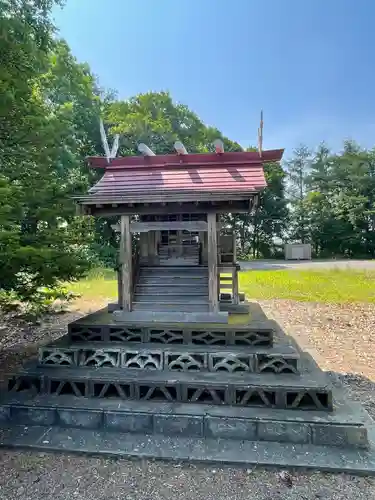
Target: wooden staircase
x,y
177,255
172,288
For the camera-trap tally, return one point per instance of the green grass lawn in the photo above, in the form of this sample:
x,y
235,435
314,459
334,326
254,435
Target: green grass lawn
x,y
334,286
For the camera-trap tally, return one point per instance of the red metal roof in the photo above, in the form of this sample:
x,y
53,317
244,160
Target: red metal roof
x,y
193,173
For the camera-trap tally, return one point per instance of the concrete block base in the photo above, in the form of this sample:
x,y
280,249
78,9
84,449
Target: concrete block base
x,y
170,317
179,448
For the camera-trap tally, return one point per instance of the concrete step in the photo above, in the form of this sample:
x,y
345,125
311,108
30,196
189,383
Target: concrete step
x,y
178,448
281,359
310,391
158,318
170,307
345,427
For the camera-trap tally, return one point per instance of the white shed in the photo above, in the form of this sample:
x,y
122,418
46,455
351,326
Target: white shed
x,y
297,251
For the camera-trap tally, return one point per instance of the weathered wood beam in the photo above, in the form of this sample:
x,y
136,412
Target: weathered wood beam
x,y
193,226
144,227
126,262
237,206
213,292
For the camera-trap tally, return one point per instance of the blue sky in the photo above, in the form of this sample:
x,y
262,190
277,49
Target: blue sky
x,y
310,64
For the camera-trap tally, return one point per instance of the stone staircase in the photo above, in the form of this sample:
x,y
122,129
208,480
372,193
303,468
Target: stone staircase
x,y
176,391
172,288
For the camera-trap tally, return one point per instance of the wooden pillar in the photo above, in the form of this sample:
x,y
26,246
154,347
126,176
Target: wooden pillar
x,y
234,247
126,261
119,285
213,293
157,237
143,247
235,285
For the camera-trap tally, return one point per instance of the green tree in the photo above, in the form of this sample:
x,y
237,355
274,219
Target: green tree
x,y
271,217
297,173
154,119
41,241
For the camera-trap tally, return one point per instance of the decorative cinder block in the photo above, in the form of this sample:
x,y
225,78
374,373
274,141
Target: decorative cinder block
x,y
57,356
99,357
230,362
230,428
276,364
142,360
284,432
335,435
184,425
81,418
38,416
128,422
185,361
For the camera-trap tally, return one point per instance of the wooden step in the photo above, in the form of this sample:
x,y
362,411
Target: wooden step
x,y
163,281
177,269
165,307
172,290
171,299
192,272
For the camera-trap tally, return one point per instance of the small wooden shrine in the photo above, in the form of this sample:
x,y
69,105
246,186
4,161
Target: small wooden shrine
x,y
154,375
170,229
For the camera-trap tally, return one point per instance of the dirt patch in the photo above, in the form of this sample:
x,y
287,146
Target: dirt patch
x,y
20,340
341,338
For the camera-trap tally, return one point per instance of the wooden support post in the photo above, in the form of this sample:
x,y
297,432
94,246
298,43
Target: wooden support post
x,y
234,247
119,285
126,262
151,246
213,292
235,285
143,246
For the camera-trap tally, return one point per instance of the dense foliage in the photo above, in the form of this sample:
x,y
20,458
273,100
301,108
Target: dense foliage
x,y
49,114
335,210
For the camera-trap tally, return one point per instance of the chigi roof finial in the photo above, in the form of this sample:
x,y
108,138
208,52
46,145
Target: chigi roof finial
x,y
113,152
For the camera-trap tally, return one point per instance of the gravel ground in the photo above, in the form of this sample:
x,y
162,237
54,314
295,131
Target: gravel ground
x,y
61,477
341,338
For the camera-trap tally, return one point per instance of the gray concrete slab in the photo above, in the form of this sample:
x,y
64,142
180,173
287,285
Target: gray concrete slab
x,y
170,317
179,448
317,265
